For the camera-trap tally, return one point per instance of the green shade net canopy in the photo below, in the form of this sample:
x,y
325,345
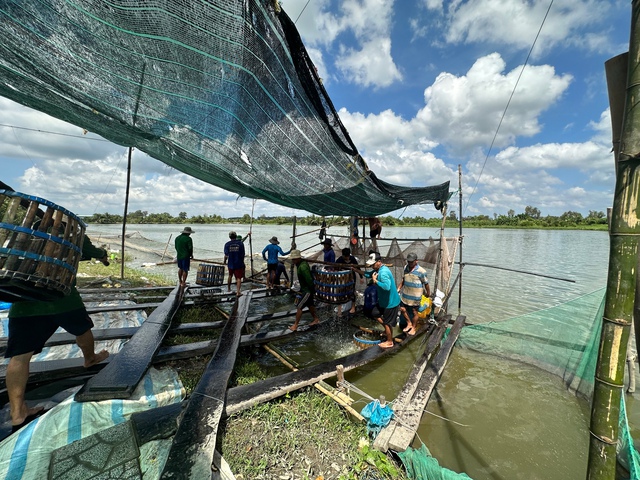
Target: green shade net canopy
x,y
223,91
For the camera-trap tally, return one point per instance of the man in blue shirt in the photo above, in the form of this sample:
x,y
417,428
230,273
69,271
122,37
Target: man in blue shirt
x,y
388,298
234,258
329,254
270,254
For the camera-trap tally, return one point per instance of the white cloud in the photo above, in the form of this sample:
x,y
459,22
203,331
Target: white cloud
x,y
366,60
517,23
371,66
464,112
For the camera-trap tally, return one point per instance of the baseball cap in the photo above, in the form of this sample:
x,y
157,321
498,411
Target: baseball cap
x,y
373,258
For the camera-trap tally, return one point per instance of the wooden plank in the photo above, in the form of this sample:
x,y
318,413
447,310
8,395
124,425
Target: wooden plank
x,y
193,445
121,376
409,420
381,442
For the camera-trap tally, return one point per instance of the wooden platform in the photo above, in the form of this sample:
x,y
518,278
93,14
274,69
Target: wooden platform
x,y
412,400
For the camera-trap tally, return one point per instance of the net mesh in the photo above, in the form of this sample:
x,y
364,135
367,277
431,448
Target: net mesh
x,y
222,91
563,340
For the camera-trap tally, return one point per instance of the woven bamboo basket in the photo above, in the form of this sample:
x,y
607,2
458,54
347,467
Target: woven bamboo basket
x,y
335,287
40,247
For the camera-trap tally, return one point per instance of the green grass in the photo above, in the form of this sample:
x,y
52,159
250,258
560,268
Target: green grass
x,y
304,435
91,272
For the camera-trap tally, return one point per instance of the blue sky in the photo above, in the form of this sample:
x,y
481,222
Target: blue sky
x,y
421,86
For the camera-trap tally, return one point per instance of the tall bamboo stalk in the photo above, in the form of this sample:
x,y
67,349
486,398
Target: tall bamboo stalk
x,y
621,280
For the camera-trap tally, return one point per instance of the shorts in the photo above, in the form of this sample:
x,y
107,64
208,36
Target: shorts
x,y
375,232
412,310
184,264
390,315
29,334
305,301
372,313
237,272
272,267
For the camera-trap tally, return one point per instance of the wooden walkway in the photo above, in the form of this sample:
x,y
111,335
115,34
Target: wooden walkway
x,y
412,400
193,446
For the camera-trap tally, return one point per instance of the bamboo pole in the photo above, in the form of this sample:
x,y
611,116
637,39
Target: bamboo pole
x,y
621,279
460,247
250,237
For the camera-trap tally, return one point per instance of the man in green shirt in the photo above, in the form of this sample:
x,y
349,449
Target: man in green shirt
x,y
184,254
31,323
307,290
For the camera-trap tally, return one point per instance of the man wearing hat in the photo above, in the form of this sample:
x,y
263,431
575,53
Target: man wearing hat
x,y
388,298
184,254
270,254
329,254
234,258
307,289
413,285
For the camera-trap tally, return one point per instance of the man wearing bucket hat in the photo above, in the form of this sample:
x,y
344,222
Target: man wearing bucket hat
x,y
270,254
413,285
388,298
184,254
307,289
327,249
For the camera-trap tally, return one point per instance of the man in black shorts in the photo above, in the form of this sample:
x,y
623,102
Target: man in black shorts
x,y
31,323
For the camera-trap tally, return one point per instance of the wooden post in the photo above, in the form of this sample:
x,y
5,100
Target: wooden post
x,y
124,217
621,280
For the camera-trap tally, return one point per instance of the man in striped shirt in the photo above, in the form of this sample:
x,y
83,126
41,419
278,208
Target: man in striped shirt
x,y
413,285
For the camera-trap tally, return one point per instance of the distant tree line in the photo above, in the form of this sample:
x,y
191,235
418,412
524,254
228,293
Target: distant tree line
x,y
530,218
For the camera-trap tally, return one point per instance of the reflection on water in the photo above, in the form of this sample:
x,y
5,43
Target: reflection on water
x,y
520,422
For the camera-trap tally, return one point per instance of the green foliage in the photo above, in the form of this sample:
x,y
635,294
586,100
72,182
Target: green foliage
x,y
530,218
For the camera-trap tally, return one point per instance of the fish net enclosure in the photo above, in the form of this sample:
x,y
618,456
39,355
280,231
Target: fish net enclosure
x,y
222,91
563,340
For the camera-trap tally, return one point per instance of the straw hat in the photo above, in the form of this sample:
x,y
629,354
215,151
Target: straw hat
x,y
274,240
188,230
295,254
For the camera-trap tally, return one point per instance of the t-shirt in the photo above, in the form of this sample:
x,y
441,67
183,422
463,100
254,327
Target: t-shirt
x,y
305,278
234,251
272,250
329,256
184,246
413,286
387,291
